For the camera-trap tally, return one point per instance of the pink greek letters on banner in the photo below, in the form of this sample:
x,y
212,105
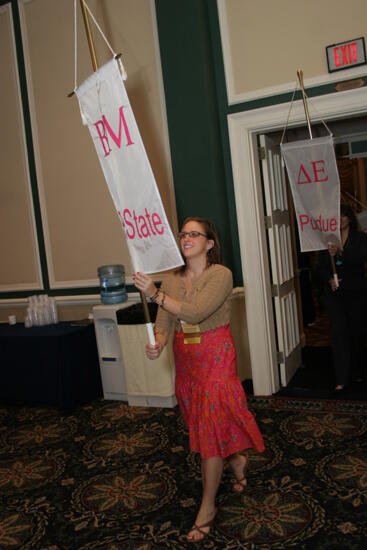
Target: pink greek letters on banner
x,y
103,125
306,177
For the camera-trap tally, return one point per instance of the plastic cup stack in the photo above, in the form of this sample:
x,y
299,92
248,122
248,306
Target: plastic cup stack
x,y
41,310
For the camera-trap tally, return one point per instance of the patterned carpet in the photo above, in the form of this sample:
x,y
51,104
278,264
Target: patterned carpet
x,y
115,477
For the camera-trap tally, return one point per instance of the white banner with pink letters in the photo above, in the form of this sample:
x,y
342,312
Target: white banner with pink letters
x,y
105,108
314,180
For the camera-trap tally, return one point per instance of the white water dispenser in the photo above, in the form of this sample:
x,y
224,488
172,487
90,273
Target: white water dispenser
x,y
109,351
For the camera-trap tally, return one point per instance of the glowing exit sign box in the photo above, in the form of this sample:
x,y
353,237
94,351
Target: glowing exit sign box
x,y
346,55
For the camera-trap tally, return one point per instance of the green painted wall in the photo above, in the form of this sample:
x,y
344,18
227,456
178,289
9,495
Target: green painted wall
x,y
196,111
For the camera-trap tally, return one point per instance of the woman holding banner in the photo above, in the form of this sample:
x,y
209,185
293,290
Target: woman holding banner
x,y
195,301
346,301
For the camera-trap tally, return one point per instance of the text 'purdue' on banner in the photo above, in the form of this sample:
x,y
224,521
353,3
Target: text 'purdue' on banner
x,y
105,108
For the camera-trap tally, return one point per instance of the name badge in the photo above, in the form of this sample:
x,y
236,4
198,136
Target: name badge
x,y
192,333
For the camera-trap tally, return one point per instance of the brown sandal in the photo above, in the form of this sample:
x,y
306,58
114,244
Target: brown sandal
x,y
243,480
199,529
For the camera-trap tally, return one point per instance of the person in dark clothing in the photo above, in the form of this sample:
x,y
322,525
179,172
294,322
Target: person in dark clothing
x,y
346,304
305,280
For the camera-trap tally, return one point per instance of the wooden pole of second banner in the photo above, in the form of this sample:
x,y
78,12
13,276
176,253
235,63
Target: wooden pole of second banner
x,y
93,56
305,105
300,78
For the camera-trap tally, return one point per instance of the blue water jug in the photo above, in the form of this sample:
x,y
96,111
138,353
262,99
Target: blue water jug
x,y
112,284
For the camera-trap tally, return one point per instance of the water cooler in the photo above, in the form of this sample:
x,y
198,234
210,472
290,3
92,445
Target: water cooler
x,y
109,351
127,374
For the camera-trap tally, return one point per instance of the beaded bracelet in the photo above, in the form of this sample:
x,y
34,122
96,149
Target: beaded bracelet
x,y
155,295
162,302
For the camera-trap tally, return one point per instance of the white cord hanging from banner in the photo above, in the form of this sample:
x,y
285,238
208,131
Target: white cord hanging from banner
x,y
305,96
99,28
313,108
289,113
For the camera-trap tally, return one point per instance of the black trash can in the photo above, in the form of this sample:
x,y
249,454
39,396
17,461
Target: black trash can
x,y
134,314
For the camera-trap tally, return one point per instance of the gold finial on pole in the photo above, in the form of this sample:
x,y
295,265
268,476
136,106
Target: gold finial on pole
x,y
300,78
89,36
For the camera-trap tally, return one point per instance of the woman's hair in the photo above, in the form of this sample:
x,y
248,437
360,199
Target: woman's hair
x,y
214,255
346,210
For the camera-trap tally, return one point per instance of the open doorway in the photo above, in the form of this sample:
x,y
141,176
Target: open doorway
x,y
316,376
244,128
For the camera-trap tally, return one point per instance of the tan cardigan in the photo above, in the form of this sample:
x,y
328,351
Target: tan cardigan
x,y
207,304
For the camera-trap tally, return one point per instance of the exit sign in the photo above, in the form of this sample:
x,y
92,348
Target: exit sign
x,y
346,55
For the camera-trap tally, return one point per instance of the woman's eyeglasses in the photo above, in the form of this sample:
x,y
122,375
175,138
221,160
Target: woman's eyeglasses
x,y
191,234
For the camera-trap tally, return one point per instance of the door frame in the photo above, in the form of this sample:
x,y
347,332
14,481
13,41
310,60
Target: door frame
x,y
244,128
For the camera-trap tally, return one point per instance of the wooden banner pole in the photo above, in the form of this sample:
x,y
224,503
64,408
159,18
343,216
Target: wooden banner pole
x,y
300,78
95,67
335,274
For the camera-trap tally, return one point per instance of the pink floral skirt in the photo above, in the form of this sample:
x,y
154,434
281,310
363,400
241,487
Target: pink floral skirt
x,y
211,397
